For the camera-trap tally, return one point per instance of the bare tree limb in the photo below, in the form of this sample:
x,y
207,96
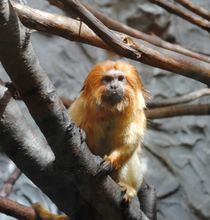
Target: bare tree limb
x,y
32,155
9,183
111,39
16,210
59,25
187,67
178,110
195,8
179,100
73,157
122,28
172,8
155,40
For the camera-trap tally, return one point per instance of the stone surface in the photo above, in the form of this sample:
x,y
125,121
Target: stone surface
x,y
177,158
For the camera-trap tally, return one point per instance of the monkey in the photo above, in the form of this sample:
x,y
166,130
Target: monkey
x,y
110,110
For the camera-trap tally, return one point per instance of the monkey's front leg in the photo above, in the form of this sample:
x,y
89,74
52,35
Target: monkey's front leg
x,y
119,157
113,162
118,160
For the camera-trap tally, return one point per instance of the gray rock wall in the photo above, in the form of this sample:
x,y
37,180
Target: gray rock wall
x,y
178,157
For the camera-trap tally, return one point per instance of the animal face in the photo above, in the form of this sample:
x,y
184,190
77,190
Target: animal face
x,y
113,85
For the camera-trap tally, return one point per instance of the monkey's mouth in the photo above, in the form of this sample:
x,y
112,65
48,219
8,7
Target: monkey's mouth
x,y
113,97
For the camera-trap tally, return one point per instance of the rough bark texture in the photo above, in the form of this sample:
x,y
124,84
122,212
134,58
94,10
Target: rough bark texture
x,y
178,158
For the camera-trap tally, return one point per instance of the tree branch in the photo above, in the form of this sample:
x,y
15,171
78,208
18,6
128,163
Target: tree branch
x,y
195,8
31,154
9,183
172,8
179,100
122,28
97,26
58,25
16,210
182,65
178,110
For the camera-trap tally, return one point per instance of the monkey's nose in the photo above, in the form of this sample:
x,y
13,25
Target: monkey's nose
x,y
113,87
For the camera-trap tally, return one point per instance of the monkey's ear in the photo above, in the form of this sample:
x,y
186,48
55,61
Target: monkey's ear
x,y
146,94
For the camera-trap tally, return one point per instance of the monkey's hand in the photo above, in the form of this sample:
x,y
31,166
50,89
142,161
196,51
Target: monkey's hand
x,y
105,167
44,214
113,162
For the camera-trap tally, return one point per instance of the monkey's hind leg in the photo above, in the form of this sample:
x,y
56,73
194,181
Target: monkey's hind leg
x,y
46,215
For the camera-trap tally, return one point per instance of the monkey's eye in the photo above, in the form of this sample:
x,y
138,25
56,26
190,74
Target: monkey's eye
x,y
106,79
121,78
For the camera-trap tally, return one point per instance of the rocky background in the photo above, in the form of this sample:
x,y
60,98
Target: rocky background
x,y
177,157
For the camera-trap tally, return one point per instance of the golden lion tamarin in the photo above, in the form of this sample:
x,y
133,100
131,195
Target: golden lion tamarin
x,y
110,109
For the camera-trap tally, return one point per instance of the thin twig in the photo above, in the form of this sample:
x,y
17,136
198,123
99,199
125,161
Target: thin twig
x,y
179,100
172,8
178,110
9,183
195,8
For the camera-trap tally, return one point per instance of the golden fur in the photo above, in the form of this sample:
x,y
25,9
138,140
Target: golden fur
x,y
115,131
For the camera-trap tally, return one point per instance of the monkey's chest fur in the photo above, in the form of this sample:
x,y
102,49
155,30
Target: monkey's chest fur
x,y
107,135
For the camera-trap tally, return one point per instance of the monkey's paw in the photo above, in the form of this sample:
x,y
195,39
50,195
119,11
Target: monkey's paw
x,y
128,192
105,167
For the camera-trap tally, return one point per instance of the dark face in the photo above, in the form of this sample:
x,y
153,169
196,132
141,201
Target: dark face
x,y
114,81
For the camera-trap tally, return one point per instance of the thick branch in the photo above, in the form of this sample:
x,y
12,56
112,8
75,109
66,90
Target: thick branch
x,y
16,210
178,110
59,25
172,8
30,153
117,26
179,100
111,39
187,67
195,8
9,183
72,155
